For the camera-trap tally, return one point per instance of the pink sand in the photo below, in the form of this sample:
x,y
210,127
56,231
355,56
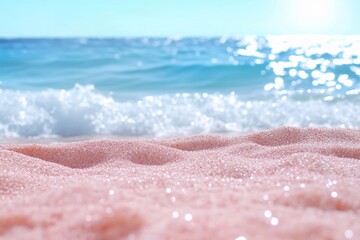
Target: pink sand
x,y
286,183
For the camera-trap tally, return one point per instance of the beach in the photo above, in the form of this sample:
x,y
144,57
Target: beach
x,y
180,120
249,137
283,183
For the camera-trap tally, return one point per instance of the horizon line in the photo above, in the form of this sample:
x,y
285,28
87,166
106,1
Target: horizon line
x,y
174,36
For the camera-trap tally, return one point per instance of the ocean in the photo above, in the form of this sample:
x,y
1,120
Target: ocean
x,y
166,87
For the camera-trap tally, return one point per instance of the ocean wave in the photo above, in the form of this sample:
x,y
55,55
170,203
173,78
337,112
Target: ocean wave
x,y
83,110
149,66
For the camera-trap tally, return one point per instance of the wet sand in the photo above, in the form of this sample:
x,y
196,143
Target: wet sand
x,y
285,183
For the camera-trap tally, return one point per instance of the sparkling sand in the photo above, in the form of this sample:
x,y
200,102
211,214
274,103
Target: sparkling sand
x,y
285,183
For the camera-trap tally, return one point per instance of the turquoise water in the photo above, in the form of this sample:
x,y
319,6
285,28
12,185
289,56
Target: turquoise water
x,y
171,87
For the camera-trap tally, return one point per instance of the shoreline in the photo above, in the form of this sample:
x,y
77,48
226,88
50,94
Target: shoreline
x,y
59,140
87,138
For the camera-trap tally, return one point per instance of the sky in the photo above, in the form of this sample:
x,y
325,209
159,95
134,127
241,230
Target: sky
x,y
137,18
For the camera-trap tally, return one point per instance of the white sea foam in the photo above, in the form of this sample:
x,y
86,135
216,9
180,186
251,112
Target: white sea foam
x,y
84,111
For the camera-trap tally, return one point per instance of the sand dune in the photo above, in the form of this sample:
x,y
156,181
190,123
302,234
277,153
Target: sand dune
x,y
285,183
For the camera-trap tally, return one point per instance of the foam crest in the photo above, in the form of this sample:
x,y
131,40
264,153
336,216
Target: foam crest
x,y
84,111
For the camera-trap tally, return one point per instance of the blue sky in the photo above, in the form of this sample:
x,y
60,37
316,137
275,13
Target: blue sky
x,y
66,18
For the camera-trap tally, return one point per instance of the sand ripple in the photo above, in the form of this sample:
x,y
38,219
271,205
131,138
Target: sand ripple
x,y
285,183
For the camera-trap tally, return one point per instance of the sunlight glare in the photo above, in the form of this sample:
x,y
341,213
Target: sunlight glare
x,y
314,14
